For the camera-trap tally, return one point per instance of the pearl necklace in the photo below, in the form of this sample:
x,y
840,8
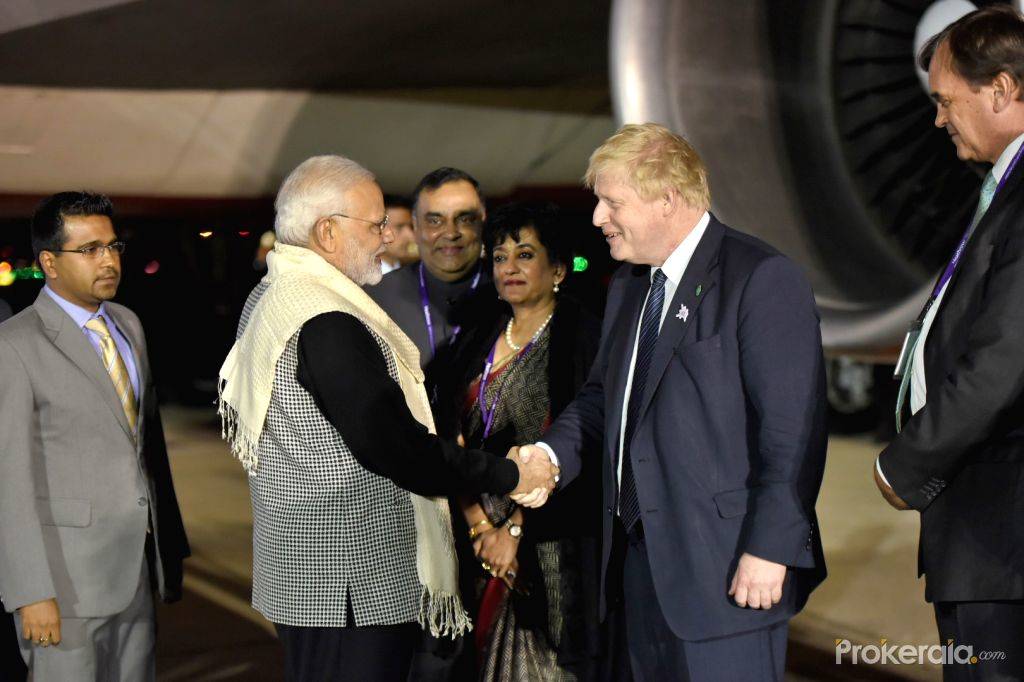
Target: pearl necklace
x,y
536,334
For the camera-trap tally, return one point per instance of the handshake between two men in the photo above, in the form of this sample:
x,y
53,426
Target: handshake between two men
x,y
538,475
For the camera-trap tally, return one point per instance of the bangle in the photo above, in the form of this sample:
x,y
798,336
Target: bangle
x,y
475,530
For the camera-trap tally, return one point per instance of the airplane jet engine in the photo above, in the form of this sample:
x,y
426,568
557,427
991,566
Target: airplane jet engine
x,y
819,138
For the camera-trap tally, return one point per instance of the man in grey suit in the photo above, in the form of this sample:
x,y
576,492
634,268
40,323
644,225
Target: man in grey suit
x,y
90,522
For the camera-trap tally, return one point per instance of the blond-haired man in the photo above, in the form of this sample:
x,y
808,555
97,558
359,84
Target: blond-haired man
x,y
708,393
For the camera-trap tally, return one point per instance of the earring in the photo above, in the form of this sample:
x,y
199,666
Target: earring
x,y
556,287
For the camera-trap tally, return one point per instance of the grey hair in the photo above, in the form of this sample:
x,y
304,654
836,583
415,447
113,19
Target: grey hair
x,y
310,192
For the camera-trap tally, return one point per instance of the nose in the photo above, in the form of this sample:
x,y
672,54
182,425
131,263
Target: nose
x,y
108,256
600,214
387,235
449,230
940,117
510,266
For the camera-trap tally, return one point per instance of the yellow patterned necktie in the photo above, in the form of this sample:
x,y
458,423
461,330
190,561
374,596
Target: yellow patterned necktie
x,y
116,369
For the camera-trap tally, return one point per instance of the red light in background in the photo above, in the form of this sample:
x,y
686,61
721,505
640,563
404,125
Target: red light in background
x,y
152,267
243,233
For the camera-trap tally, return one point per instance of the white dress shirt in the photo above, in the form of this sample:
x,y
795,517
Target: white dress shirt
x,y
674,268
918,387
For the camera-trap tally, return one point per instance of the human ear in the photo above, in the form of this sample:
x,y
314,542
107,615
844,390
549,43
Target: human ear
x,y
322,235
1005,90
670,201
46,264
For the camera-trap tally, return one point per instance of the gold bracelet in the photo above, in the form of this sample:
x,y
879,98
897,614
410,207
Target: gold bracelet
x,y
474,532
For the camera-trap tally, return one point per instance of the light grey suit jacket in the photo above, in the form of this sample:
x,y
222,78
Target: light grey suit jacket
x,y
77,494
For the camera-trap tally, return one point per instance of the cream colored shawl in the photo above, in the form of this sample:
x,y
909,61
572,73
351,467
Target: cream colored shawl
x,y
303,285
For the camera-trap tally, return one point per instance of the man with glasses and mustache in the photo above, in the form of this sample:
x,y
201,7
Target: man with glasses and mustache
x,y
90,522
431,299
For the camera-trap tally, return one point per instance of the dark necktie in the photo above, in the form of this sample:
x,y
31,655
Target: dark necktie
x,y
650,323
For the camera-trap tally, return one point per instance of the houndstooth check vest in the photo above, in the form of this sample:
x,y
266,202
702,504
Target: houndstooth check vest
x,y
326,532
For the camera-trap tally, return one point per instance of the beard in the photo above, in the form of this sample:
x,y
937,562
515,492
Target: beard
x,y
373,274
362,268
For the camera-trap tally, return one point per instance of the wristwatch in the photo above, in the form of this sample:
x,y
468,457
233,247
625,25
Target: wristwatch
x,y
515,530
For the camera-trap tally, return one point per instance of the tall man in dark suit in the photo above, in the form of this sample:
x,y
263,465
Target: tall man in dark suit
x,y
959,459
90,523
709,392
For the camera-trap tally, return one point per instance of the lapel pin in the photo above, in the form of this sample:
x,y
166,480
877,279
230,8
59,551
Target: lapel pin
x,y
683,313
699,289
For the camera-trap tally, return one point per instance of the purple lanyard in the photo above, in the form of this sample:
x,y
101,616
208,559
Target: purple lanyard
x,y
947,274
425,302
487,414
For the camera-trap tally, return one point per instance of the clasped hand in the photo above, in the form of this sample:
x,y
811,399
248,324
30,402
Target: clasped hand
x,y
496,549
537,475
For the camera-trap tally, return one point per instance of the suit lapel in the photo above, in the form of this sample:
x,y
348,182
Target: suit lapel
x,y
682,311
975,261
72,342
626,321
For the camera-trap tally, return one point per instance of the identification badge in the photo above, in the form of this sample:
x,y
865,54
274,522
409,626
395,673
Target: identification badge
x,y
907,352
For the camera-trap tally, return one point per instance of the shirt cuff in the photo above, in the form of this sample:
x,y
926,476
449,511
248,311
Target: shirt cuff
x,y
878,468
551,453
551,456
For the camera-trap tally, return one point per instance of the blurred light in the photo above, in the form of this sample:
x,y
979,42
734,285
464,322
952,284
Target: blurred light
x,y
6,275
151,267
5,267
206,234
243,233
28,273
267,239
580,264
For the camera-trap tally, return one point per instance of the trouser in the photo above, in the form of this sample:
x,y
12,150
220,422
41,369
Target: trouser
x,y
119,647
995,633
376,653
656,654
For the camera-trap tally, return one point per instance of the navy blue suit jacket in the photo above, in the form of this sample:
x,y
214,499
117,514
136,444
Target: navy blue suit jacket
x,y
729,449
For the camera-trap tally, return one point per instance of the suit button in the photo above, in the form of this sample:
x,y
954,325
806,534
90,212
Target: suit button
x,y
143,502
610,510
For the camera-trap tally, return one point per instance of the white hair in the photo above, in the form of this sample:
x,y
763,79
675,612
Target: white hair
x,y
314,190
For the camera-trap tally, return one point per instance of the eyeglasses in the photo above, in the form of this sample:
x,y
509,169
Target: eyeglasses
x,y
378,228
96,251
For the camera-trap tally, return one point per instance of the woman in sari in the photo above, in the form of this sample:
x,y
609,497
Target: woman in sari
x,y
536,570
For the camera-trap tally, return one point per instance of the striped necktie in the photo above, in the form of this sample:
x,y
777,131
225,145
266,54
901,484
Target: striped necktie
x,y
650,325
115,367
